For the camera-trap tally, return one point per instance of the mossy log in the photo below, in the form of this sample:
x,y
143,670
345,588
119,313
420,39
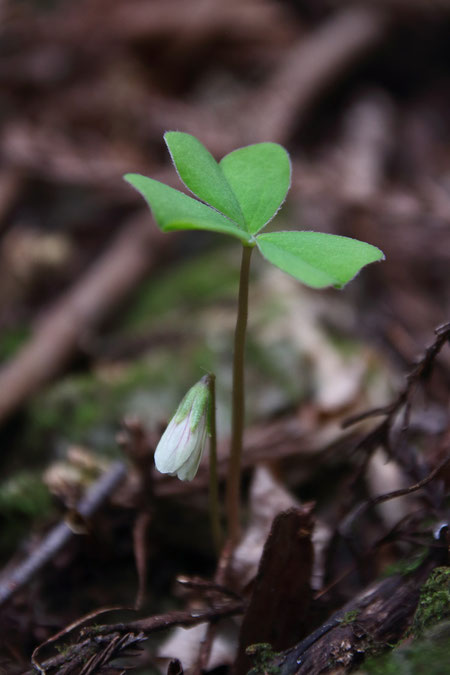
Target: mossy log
x,y
367,625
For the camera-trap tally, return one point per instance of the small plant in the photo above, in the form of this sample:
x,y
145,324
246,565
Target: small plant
x,y
239,196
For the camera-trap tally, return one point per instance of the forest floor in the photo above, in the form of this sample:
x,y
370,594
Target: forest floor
x,y
105,322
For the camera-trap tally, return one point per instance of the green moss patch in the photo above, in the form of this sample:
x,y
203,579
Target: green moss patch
x,y
434,603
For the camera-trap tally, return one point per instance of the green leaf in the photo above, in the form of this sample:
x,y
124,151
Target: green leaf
x,y
174,210
260,176
200,172
317,259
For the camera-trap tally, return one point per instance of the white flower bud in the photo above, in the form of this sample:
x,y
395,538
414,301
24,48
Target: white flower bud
x,y
181,446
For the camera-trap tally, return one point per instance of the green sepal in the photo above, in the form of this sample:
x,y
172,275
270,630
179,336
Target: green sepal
x,y
194,403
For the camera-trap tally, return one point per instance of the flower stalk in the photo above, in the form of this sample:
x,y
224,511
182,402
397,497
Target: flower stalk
x,y
238,402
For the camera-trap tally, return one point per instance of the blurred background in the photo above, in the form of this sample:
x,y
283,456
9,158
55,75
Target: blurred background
x,y
102,317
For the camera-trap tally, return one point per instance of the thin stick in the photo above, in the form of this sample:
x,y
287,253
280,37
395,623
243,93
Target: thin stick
x,y
379,499
59,535
238,402
92,636
214,510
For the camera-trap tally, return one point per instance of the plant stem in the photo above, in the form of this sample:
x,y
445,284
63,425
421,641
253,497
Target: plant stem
x,y
214,511
238,402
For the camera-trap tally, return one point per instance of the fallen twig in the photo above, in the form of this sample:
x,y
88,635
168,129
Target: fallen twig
x,y
421,372
58,537
215,587
349,520
92,637
382,433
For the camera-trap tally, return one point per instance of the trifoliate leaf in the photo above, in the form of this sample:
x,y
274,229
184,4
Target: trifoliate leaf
x,y
317,259
260,176
200,172
174,210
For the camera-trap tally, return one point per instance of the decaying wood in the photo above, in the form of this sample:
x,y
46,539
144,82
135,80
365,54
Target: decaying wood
x,y
375,618
281,596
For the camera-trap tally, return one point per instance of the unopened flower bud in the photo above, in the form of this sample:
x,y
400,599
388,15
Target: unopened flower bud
x,y
181,446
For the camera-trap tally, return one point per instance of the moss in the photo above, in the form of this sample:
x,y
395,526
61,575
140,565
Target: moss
x,y
88,408
429,656
263,658
434,602
349,617
63,649
429,652
71,409
25,494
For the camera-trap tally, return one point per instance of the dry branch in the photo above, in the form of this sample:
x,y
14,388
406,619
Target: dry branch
x,y
61,534
91,637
